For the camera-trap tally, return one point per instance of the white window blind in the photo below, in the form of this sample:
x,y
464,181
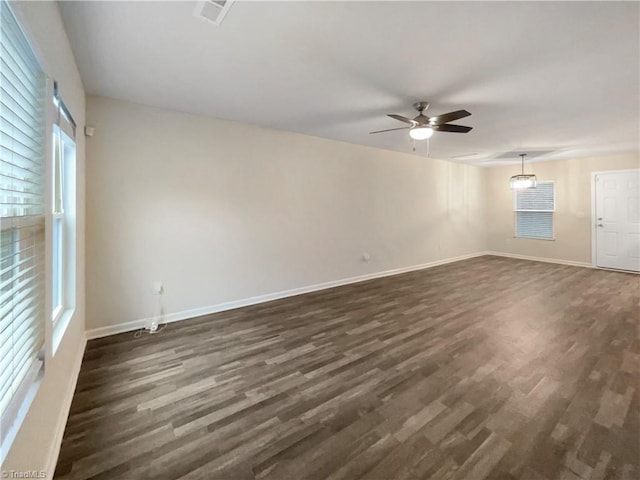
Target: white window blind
x,y
22,220
534,209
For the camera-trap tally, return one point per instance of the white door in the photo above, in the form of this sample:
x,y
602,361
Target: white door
x,y
618,220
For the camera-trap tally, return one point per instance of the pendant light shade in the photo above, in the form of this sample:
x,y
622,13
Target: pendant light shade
x,y
524,180
519,182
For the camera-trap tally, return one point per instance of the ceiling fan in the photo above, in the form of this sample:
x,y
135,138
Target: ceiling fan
x,y
422,127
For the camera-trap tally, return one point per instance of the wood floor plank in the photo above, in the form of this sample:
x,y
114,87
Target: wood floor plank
x,y
489,368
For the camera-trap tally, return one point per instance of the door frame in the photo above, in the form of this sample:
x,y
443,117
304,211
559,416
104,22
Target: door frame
x,y
594,244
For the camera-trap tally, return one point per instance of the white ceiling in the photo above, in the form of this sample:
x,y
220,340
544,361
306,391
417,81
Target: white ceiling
x,y
555,77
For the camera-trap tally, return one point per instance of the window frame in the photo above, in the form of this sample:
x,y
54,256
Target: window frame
x,y
63,221
57,226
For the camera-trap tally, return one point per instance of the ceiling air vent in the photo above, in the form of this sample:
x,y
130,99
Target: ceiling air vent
x,y
213,11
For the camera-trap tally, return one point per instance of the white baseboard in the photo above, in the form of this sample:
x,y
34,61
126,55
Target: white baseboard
x,y
221,307
541,259
63,415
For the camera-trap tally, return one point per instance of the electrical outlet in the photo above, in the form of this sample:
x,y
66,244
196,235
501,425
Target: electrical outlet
x,y
366,258
153,325
157,288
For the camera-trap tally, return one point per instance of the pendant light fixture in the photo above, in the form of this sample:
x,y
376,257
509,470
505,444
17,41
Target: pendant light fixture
x,y
524,180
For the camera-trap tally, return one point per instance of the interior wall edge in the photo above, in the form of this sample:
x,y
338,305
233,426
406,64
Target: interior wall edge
x,y
221,307
63,415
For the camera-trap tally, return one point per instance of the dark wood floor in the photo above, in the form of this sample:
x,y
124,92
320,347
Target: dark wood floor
x,y
487,368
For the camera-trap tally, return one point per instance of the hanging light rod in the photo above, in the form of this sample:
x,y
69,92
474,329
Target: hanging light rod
x,y
523,180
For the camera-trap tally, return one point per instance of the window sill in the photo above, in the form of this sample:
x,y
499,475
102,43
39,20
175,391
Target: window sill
x,y
535,238
11,431
60,327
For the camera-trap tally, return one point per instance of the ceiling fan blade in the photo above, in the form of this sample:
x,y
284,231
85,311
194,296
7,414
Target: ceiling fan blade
x,y
401,118
452,128
390,130
448,117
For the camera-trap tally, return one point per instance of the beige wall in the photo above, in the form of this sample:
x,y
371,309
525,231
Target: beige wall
x,y
220,211
573,207
37,441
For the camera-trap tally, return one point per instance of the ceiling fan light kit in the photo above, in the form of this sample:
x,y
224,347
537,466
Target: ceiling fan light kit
x,y
420,133
523,180
422,127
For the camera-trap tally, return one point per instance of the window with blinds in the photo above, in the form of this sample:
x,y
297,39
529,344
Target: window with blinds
x,y
22,218
534,208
